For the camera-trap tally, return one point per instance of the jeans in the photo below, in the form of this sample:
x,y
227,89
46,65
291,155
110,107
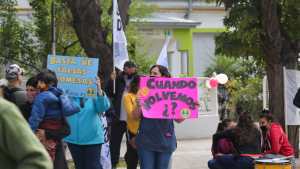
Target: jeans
x,y
86,156
153,159
231,162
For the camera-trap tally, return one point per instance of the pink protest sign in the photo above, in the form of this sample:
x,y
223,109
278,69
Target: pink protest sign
x,y
169,98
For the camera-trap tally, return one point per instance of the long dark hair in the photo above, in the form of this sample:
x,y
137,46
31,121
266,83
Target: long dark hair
x,y
134,84
267,115
223,124
246,130
163,70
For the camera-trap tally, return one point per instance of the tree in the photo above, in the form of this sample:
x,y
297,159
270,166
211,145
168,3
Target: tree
x,y
84,27
268,30
244,88
17,44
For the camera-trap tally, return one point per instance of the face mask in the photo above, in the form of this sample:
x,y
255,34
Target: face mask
x,y
264,128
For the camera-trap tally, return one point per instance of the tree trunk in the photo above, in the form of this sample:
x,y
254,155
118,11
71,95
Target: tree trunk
x,y
272,45
279,51
276,95
92,36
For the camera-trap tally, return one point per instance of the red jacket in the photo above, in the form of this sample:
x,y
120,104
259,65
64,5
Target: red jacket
x,y
278,141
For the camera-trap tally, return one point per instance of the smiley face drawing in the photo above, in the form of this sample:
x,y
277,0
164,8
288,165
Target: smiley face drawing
x,y
185,113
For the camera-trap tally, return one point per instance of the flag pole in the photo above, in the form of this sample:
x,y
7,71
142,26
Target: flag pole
x,y
114,71
53,26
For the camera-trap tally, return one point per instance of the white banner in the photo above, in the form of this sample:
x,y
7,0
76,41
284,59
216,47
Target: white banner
x,y
163,56
105,151
120,52
291,85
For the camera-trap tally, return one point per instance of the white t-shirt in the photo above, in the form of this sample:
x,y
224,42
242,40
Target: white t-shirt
x,y
123,113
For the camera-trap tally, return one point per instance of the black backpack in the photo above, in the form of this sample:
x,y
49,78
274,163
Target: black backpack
x,y
9,95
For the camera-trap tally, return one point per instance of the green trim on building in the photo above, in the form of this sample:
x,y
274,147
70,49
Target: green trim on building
x,y
208,30
184,38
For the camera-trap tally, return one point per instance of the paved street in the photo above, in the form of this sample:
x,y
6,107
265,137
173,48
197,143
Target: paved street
x,y
190,154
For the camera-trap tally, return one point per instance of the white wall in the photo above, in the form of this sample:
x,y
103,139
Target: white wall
x,y
204,51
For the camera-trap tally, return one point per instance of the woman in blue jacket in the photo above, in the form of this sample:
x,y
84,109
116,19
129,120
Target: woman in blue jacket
x,y
87,134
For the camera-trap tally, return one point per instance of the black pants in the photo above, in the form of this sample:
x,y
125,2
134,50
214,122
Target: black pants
x,y
131,156
118,128
86,156
60,161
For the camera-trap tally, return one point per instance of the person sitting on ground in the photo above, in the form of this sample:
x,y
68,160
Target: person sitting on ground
x,y
19,146
276,141
224,146
246,139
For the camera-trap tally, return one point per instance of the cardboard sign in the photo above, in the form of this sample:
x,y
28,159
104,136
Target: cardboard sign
x,y
76,75
169,98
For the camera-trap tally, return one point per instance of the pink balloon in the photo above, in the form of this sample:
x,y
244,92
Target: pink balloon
x,y
213,83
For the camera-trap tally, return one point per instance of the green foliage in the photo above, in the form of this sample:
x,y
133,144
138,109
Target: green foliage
x,y
66,40
245,82
17,44
138,9
243,37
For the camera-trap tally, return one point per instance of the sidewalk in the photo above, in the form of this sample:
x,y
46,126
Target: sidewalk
x,y
192,154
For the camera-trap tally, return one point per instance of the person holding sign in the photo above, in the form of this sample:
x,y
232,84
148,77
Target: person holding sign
x,y
133,122
156,140
87,135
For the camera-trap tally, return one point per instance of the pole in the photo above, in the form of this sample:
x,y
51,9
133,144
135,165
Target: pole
x,y
53,27
114,71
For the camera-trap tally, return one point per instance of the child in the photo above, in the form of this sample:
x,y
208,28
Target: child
x,y
46,111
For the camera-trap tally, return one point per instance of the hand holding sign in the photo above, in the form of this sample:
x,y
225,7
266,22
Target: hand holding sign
x,y
169,98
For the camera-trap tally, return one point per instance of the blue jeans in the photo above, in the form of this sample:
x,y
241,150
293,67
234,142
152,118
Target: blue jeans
x,y
153,159
230,162
86,156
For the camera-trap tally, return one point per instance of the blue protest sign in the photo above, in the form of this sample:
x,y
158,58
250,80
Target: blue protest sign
x,y
76,75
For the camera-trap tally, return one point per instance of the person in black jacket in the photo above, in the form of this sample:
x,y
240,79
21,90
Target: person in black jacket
x,y
246,139
118,124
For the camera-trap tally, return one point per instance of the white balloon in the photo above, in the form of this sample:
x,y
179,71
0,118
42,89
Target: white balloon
x,y
222,78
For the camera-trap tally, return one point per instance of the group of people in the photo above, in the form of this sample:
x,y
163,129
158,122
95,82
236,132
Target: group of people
x,y
150,142
238,145
55,119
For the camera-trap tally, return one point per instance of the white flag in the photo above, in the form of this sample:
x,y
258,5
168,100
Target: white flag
x,y
163,56
120,52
